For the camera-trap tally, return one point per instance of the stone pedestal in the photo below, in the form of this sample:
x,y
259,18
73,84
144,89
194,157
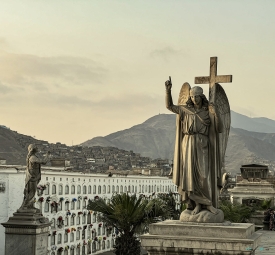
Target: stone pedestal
x,y
203,217
174,238
26,233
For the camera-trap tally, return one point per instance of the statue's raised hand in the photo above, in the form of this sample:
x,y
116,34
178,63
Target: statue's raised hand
x,y
168,84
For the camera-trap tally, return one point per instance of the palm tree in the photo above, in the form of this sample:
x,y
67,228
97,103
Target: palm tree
x,y
129,215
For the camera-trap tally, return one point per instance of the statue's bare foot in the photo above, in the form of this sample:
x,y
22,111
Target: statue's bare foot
x,y
212,209
197,209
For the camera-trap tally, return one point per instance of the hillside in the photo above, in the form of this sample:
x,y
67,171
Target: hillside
x,y
262,125
13,146
155,138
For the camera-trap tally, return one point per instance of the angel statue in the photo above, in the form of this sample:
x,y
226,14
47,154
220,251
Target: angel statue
x,y
202,129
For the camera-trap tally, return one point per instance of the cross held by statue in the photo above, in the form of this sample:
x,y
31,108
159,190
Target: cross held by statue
x,y
213,77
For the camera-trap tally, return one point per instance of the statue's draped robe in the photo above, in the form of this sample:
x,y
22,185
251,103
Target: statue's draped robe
x,y
33,177
33,172
192,154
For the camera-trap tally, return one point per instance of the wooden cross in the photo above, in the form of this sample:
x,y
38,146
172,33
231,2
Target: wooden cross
x,y
213,77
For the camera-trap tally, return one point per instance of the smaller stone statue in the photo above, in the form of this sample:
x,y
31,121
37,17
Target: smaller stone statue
x,y
225,183
33,177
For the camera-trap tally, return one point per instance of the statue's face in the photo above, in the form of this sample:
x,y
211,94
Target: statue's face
x,y
196,99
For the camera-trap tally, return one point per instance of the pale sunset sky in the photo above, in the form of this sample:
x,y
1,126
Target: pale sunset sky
x,y
71,70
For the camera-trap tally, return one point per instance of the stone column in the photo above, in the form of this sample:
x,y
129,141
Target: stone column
x,y
26,232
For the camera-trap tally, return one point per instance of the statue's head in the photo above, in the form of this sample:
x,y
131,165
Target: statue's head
x,y
32,148
196,91
196,97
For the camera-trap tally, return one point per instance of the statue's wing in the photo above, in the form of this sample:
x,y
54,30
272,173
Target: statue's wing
x,y
218,97
184,93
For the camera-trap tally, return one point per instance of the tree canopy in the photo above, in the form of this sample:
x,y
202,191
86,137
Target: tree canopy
x,y
130,215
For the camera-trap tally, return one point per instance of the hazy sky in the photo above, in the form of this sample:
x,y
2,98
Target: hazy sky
x,y
71,70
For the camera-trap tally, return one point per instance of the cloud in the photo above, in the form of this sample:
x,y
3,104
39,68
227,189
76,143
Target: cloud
x,y
130,103
3,43
165,53
30,70
5,89
121,103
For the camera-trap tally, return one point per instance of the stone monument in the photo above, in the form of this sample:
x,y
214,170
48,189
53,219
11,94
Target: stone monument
x,y
202,130
26,232
253,188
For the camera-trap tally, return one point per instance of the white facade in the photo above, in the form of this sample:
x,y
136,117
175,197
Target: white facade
x,y
64,202
261,190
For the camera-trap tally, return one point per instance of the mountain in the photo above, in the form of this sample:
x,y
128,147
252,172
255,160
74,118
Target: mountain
x,y
262,125
156,137
245,147
13,146
251,140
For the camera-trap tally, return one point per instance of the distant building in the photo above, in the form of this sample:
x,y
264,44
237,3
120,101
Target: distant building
x,y
252,187
254,171
58,162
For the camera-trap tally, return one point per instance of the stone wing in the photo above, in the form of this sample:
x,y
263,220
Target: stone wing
x,y
184,93
218,96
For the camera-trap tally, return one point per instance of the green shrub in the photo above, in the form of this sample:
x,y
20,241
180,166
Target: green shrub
x,y
236,212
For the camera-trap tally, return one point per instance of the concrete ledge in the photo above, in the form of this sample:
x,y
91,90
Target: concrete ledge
x,y
174,237
26,220
225,230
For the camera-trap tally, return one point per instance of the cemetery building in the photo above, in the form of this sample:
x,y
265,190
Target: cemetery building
x,y
253,186
74,229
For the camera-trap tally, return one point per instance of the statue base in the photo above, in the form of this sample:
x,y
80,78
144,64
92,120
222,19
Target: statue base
x,y
203,216
182,238
26,232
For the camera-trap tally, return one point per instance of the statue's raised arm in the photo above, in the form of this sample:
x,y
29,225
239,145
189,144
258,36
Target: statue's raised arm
x,y
183,96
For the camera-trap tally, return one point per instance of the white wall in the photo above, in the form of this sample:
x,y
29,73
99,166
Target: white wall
x,y
12,198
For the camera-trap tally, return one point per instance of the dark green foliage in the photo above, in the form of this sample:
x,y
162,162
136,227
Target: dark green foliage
x,y
170,200
130,215
127,245
265,204
235,212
